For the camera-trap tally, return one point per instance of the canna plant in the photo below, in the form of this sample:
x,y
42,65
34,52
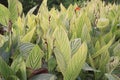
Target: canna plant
x,y
68,44
69,63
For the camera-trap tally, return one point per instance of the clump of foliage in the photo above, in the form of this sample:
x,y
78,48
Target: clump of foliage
x,y
70,44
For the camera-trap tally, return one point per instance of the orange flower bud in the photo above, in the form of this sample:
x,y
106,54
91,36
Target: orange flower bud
x,y
77,9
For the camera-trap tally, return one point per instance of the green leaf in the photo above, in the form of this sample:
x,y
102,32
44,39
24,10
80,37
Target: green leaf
x,y
19,67
19,8
16,64
76,63
2,40
103,49
85,35
102,65
97,45
80,21
86,67
52,64
91,61
102,23
79,24
75,44
60,60
31,23
21,25
116,50
62,43
43,9
13,8
44,77
34,59
12,77
107,37
25,49
28,36
4,15
5,70
44,21
21,73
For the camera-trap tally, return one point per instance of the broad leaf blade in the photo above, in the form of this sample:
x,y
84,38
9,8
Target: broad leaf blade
x,y
19,67
5,70
75,44
103,49
21,73
60,60
76,63
34,59
102,22
12,6
85,35
28,36
25,49
62,43
4,15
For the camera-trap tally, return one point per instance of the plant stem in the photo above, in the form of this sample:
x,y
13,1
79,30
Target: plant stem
x,y
10,33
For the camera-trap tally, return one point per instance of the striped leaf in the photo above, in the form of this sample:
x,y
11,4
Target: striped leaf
x,y
34,59
60,60
75,44
25,49
62,43
76,63
19,68
5,70
28,36
12,6
103,49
